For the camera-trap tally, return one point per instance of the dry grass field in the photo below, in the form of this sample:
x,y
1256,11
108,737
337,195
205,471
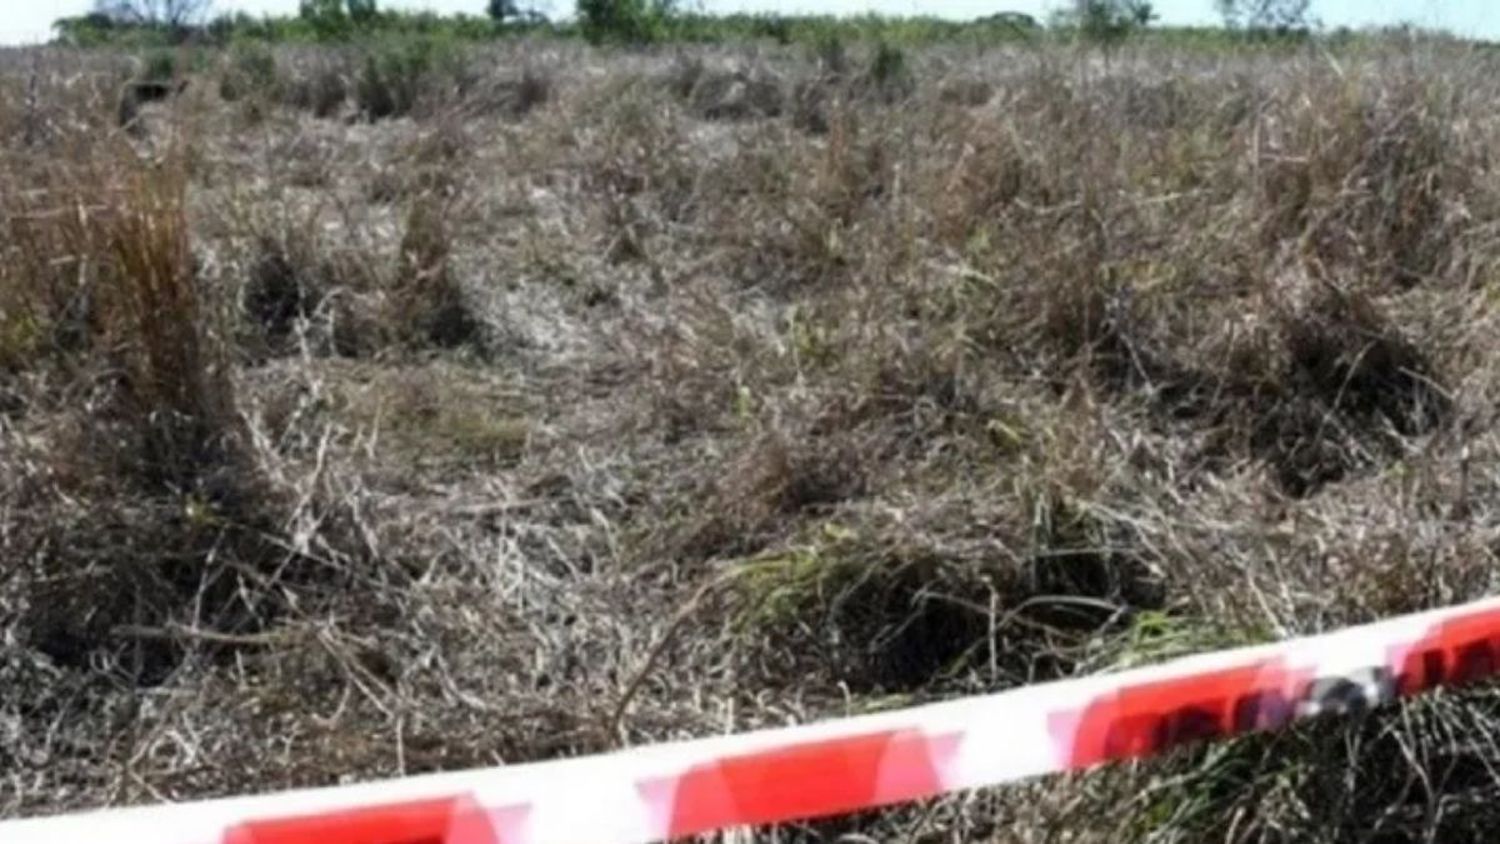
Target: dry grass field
x,y
370,411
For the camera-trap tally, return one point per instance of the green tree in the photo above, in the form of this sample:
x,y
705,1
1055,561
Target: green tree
x,y
336,18
1280,17
503,11
1108,21
173,14
326,16
627,21
362,11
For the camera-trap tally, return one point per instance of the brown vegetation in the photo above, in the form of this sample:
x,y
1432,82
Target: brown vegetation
x,y
365,414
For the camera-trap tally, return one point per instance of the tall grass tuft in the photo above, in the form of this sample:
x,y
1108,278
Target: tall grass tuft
x,y
151,313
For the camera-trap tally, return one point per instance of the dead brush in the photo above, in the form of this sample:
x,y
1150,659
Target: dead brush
x,y
51,237
150,477
400,76
434,163
789,233
285,288
1367,185
53,103
888,78
683,74
944,400
316,84
514,95
966,92
158,78
991,169
290,289
643,149
1352,390
251,76
45,310
735,95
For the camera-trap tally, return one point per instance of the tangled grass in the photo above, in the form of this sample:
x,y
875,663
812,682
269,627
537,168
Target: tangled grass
x,y
370,414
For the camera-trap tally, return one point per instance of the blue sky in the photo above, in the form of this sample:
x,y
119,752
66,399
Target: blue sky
x,y
29,20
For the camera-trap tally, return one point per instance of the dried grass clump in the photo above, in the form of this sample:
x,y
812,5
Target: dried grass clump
x,y
1365,180
888,79
431,165
427,301
152,464
771,482
797,216
285,288
735,95
1351,390
513,95
318,85
149,304
966,91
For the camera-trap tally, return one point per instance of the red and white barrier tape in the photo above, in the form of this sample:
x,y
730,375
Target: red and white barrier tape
x,y
673,790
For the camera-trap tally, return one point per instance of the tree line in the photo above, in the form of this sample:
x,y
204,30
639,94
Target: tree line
x,y
624,20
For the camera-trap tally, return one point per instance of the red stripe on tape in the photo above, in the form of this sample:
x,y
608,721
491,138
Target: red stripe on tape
x,y
454,820
813,780
1149,718
1453,653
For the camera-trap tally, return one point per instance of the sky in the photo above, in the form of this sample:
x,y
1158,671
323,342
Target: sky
x,y
27,21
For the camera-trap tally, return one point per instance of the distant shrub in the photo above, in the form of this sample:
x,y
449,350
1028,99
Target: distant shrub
x,y
889,77
624,21
361,12
504,11
157,78
251,72
774,27
160,66
396,74
330,20
1017,21
89,30
831,55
